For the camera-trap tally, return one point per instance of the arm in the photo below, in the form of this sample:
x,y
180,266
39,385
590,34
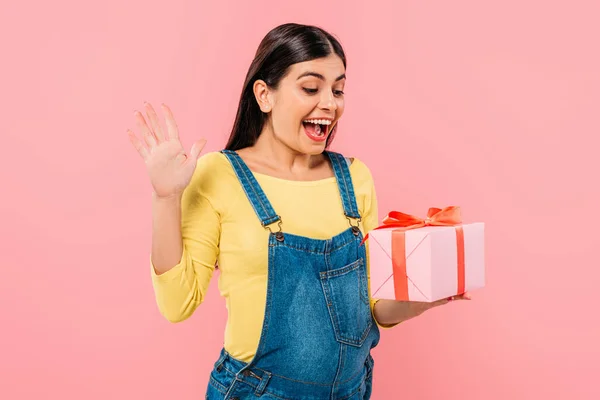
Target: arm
x,y
392,312
185,246
166,233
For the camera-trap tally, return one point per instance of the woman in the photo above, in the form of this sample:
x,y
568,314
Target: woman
x,y
283,218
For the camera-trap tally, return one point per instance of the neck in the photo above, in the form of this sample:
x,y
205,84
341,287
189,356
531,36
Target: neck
x,y
282,157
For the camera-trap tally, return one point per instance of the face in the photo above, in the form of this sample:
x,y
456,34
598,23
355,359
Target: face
x,y
305,108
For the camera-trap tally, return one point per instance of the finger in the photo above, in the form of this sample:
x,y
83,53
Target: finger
x,y
137,143
172,130
462,296
197,148
154,122
146,132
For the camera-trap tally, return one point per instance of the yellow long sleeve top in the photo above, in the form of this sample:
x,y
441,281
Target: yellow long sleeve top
x,y
219,226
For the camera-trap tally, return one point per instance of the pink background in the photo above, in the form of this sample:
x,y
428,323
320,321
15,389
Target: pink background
x,y
492,106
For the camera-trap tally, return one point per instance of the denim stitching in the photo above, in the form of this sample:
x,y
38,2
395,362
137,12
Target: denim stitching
x,y
349,191
236,168
248,181
269,295
343,338
263,372
339,175
218,386
342,358
290,246
351,394
349,188
354,265
351,194
346,196
295,380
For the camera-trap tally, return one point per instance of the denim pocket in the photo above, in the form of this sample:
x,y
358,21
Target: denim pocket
x,y
347,294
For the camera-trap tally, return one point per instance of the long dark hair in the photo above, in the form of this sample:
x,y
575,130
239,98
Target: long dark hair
x,y
283,46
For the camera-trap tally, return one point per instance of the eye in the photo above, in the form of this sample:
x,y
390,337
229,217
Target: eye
x,y
338,92
310,91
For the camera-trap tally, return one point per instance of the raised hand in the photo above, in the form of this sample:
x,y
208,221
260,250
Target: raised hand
x,y
169,166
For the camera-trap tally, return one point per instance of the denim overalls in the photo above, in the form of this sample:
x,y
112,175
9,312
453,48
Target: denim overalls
x,y
318,329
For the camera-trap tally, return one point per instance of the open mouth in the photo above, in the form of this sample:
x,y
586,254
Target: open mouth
x,y
317,129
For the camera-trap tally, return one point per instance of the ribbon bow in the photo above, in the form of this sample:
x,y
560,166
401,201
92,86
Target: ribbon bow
x,y
448,216
435,217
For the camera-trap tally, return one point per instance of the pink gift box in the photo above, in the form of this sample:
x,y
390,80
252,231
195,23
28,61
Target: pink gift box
x,y
435,266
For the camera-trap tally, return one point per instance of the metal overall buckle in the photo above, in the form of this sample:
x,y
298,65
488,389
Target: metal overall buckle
x,y
279,233
355,228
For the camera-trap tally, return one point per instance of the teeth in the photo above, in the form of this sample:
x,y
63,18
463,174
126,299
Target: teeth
x,y
318,121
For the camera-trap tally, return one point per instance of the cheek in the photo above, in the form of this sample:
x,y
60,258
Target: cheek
x,y
340,107
292,109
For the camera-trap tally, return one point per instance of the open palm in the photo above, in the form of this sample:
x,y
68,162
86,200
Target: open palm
x,y
169,166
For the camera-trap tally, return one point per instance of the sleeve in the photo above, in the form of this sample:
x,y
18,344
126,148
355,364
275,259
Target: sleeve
x,y
180,290
371,221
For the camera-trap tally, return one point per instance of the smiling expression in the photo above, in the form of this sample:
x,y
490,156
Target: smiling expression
x,y
304,109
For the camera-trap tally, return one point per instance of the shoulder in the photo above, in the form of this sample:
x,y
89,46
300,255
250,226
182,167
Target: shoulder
x,y
212,160
213,173
364,190
362,179
359,170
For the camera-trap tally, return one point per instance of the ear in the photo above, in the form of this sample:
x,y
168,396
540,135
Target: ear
x,y
263,95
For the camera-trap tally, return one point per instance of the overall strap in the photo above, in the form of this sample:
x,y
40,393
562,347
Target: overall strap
x,y
344,180
265,212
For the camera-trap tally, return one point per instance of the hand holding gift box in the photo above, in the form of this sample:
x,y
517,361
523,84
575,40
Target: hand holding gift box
x,y
414,259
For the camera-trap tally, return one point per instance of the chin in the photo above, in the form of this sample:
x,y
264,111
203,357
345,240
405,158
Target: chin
x,y
309,146
313,148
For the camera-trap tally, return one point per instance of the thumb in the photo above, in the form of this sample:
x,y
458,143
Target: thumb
x,y
197,148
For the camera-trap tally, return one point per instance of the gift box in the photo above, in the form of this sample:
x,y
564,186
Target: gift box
x,y
414,259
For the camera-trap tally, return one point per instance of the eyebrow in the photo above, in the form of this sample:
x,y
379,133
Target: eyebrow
x,y
319,76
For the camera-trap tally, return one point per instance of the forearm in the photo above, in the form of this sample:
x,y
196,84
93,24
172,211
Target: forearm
x,y
389,312
167,246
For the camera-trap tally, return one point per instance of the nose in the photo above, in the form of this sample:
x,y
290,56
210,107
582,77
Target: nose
x,y
328,101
